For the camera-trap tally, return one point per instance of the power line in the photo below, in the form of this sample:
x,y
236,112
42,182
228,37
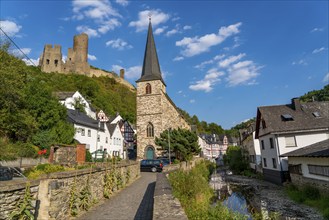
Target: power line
x,y
17,46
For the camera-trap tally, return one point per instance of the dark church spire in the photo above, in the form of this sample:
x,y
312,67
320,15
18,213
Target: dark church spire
x,y
151,67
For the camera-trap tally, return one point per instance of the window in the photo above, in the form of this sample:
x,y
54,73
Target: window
x,y
274,163
150,130
98,138
106,140
264,161
82,132
271,143
290,141
287,117
47,61
56,62
296,169
252,158
318,170
89,133
262,143
316,114
148,88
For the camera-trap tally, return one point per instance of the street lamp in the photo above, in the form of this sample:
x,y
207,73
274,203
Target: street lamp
x,y
169,144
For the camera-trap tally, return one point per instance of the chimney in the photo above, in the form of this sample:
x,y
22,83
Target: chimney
x,y
296,104
122,73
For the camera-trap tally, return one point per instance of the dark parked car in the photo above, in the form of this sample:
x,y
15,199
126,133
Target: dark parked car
x,y
6,173
164,160
151,165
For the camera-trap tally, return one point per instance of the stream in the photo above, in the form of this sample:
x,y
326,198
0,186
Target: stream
x,y
249,196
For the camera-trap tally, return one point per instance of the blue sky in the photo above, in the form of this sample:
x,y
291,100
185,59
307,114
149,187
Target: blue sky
x,y
220,59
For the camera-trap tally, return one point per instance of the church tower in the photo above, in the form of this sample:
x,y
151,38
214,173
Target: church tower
x,y
150,88
156,112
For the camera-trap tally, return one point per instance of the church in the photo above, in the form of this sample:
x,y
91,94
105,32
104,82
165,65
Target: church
x,y
156,112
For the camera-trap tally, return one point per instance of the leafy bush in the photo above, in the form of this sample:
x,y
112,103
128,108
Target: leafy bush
x,y
43,169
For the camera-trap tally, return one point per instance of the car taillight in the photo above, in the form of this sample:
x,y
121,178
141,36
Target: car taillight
x,y
161,165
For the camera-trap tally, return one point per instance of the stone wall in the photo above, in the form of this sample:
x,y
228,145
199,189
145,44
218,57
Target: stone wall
x,y
23,162
301,181
55,190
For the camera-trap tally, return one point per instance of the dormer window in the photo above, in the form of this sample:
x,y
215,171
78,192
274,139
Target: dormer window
x,y
287,117
316,114
148,88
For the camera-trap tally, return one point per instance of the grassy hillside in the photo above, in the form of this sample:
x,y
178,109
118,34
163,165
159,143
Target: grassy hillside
x,y
31,116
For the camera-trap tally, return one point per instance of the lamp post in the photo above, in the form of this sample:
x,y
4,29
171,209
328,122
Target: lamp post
x,y
169,144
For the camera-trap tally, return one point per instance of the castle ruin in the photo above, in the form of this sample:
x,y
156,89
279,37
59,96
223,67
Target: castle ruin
x,y
76,61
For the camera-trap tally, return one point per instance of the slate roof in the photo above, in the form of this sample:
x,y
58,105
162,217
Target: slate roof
x,y
319,149
80,118
302,114
111,127
151,67
210,139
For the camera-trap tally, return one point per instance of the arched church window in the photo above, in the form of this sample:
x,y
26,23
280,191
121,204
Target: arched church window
x,y
148,88
150,130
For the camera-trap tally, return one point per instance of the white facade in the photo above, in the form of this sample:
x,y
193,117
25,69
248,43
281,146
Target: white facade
x,y
284,143
305,161
116,143
77,97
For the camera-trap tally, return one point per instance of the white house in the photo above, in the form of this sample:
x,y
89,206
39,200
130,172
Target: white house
x,y
251,146
71,99
116,141
285,128
310,165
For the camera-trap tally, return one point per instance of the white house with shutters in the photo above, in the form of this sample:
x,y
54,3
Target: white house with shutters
x,y
285,128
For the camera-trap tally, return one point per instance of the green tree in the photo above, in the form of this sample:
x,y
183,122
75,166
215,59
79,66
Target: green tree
x,y
183,143
235,159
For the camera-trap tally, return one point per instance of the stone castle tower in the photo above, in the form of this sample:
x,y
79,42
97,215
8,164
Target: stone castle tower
x,y
77,57
156,112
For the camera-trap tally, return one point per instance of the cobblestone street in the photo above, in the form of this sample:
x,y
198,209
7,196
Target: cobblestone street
x,y
133,202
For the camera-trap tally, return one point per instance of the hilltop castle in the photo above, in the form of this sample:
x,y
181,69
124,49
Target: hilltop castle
x,y
76,61
156,112
51,61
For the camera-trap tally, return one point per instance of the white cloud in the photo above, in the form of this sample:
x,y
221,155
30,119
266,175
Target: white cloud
x,y
175,19
228,61
300,62
207,62
172,32
111,24
192,101
243,73
18,53
10,28
89,31
187,27
318,50
118,44
180,92
210,79
197,45
326,78
96,9
33,63
317,30
178,58
160,30
92,57
122,2
142,23
100,12
133,72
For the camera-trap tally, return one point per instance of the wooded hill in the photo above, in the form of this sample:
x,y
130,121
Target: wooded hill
x,y
30,114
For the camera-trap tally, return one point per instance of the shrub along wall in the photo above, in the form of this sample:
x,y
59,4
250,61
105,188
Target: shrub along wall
x,y
65,194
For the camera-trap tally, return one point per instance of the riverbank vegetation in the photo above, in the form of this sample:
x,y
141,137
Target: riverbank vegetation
x,y
310,196
196,196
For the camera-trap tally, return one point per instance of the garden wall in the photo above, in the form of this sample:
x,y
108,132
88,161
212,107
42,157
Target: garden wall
x,y
58,192
301,181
